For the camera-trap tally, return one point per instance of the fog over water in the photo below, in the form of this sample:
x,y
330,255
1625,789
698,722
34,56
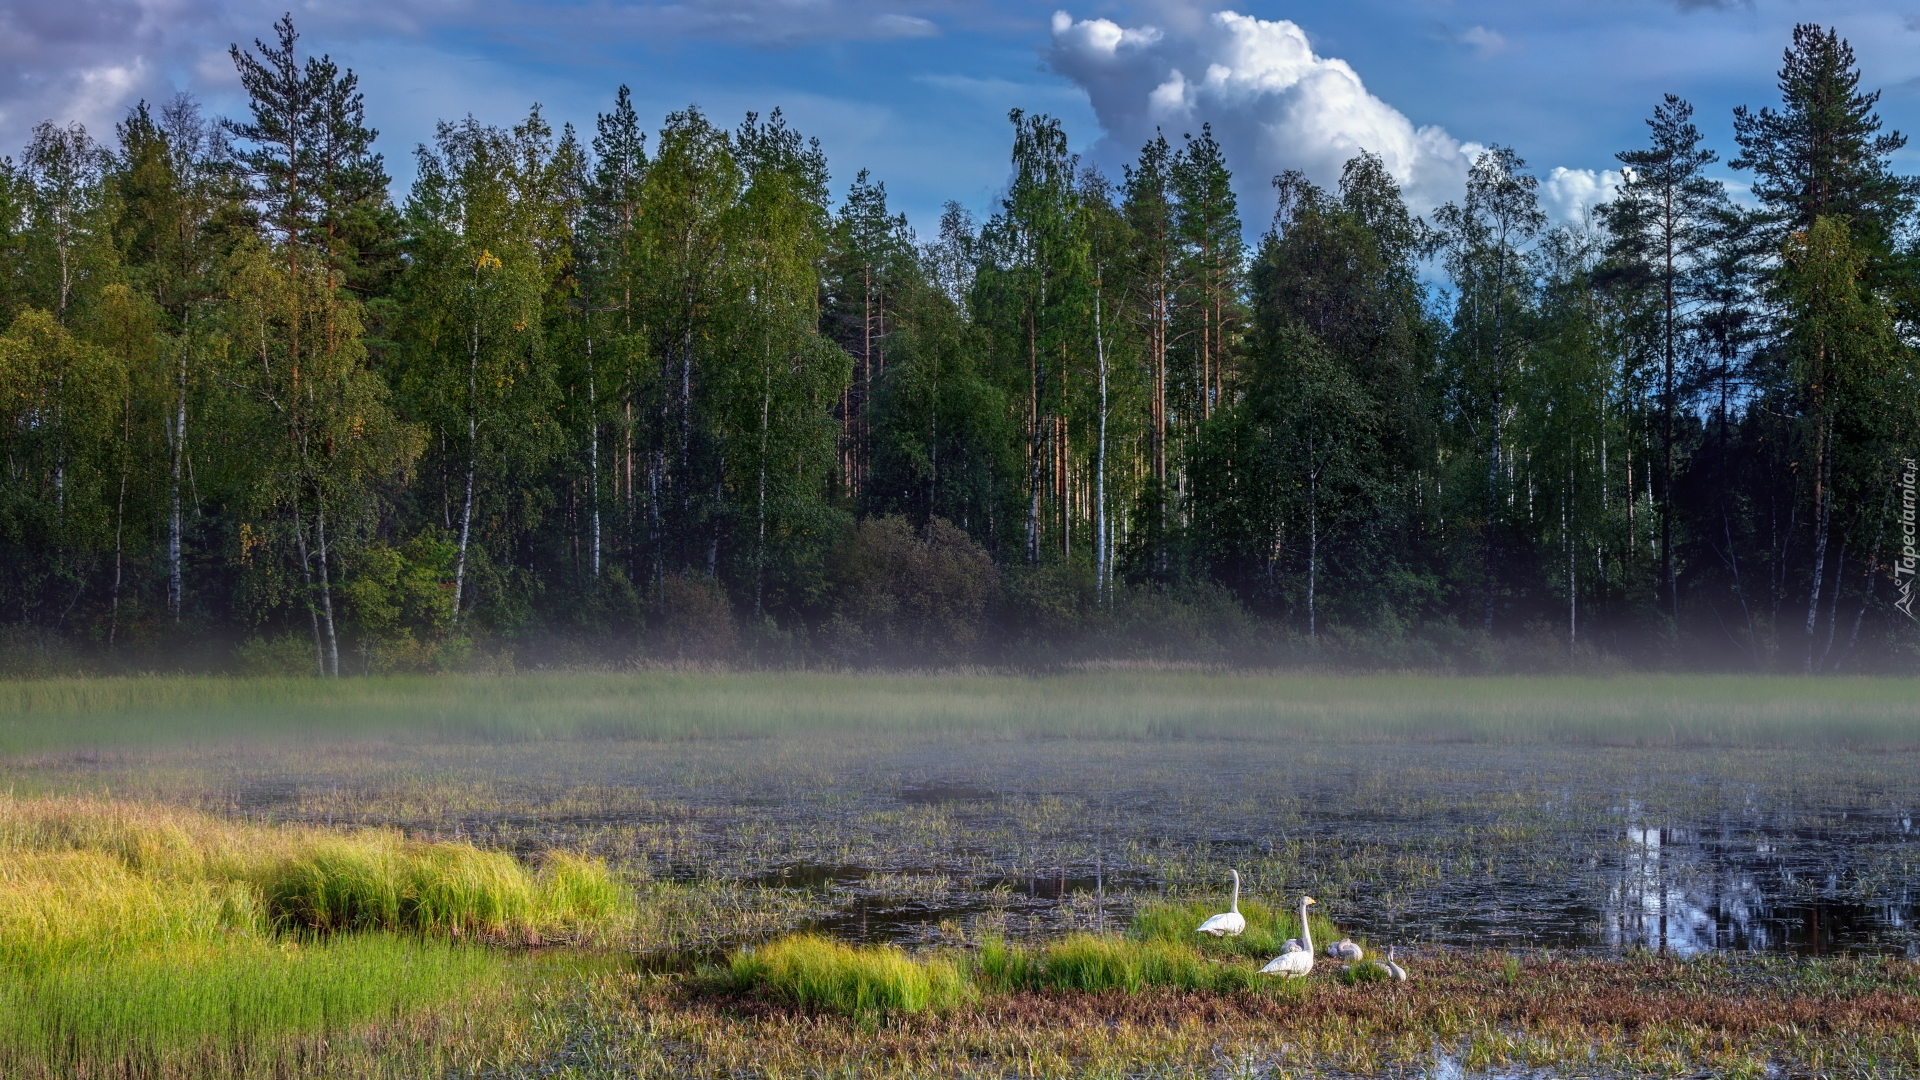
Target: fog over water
x,y
914,840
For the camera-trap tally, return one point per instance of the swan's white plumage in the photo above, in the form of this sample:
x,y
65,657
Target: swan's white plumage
x,y
1295,962
1345,949
1229,922
1399,973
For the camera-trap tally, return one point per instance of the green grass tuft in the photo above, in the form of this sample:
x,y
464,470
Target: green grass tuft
x,y
875,980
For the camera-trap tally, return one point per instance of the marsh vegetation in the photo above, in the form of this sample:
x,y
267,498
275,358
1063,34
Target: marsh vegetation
x,y
742,875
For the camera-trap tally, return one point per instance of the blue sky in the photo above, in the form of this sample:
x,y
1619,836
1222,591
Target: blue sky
x,y
917,90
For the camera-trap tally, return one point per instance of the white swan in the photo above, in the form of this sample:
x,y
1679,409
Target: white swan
x,y
1230,921
1399,973
1345,949
1292,944
1295,964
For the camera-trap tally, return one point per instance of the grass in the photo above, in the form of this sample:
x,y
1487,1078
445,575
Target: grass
x,y
1161,951
1172,922
142,940
1571,1016
132,935
223,997
813,972
1638,710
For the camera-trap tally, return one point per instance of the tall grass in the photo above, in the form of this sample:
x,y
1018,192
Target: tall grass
x,y
873,980
130,934
90,1014
817,973
1639,710
115,869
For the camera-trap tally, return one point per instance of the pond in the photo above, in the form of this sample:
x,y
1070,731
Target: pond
x,y
914,839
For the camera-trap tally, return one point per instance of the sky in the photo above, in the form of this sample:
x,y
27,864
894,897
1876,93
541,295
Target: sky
x,y
918,90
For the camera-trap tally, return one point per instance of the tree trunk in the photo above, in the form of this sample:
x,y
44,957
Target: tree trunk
x,y
1033,443
178,430
1822,514
473,463
306,582
326,590
760,493
1101,569
1313,550
119,526
593,458
684,479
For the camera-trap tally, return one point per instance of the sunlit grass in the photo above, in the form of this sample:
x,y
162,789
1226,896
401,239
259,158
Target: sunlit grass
x,y
869,980
131,935
219,994
1665,710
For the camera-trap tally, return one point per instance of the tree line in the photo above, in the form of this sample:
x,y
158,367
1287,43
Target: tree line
x,y
594,397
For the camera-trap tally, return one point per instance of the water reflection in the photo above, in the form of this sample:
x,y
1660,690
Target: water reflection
x,y
1752,884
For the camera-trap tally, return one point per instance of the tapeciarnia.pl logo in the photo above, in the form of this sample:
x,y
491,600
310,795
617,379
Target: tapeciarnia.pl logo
x,y
1909,561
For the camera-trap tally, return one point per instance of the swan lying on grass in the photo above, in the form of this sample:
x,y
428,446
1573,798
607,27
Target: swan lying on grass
x,y
1230,921
1345,949
1295,963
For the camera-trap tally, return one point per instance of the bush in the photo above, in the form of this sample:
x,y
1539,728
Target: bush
x,y
690,621
816,973
401,598
283,654
906,596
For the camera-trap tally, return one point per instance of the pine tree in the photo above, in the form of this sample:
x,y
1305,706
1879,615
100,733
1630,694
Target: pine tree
x,y
1823,154
1662,226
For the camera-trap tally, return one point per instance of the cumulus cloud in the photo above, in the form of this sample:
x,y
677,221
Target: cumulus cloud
x,y
1568,194
1273,103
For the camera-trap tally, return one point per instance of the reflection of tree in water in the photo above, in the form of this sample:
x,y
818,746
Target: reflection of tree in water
x,y
1757,881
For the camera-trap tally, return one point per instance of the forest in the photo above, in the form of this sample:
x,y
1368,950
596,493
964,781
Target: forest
x,y
615,396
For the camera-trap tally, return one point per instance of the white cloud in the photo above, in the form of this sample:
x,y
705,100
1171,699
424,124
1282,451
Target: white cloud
x,y
1273,103
1484,42
1568,194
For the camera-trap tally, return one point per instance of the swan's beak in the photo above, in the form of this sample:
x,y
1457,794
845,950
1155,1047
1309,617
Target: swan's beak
x,y
1311,900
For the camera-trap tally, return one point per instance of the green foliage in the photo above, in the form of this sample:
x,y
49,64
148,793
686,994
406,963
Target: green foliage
x,y
909,596
398,597
660,392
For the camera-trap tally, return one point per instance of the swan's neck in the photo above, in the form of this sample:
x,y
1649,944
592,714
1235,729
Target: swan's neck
x,y
1306,931
1235,906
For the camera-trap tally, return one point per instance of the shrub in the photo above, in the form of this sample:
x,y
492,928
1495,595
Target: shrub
x,y
857,981
284,654
690,621
909,596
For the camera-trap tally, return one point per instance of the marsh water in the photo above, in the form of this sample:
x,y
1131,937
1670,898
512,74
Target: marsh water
x,y
916,839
